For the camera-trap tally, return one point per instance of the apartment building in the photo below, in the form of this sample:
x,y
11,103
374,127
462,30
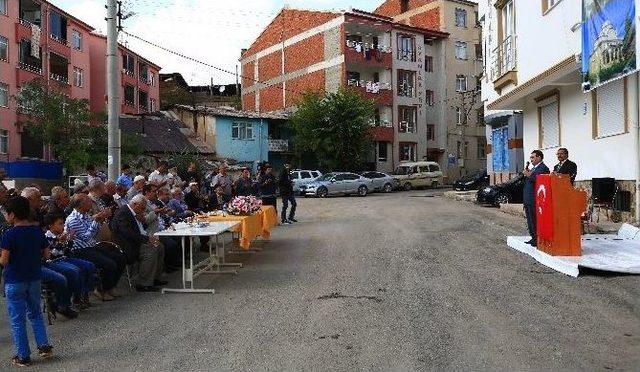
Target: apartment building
x,y
534,62
41,41
323,51
452,67
139,79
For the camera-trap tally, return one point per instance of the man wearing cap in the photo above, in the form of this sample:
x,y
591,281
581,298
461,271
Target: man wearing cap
x,y
138,184
286,191
268,187
125,177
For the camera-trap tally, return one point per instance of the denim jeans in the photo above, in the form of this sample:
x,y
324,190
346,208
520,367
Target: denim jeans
x,y
23,301
286,199
60,286
70,272
87,273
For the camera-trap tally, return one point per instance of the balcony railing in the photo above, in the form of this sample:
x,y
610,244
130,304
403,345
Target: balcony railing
x,y
30,68
59,39
370,86
128,72
504,58
362,47
278,145
59,78
129,103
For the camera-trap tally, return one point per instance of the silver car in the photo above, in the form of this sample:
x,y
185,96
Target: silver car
x,y
303,177
382,181
337,183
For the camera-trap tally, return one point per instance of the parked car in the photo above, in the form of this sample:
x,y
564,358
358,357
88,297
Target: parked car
x,y
303,177
337,183
382,181
473,181
503,193
413,175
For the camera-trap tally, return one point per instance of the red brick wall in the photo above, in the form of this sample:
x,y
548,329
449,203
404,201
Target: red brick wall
x,y
249,102
429,19
270,66
391,8
287,24
305,53
310,82
271,98
248,74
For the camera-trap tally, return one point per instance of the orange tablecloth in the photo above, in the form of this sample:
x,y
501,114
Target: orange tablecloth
x,y
256,225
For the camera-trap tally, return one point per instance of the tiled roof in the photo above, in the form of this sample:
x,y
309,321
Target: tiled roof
x,y
227,111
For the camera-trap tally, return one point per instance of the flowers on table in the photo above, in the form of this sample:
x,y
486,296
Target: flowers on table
x,y
244,205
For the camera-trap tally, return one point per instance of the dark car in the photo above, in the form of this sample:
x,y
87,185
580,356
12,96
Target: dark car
x,y
504,193
473,181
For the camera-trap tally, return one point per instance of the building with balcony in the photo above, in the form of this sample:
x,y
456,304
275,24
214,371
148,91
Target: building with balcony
x,y
534,66
323,51
139,79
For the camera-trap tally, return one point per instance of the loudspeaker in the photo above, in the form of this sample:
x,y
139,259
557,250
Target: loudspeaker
x,y
603,189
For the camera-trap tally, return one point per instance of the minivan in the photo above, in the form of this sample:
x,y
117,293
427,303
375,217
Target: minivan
x,y
418,174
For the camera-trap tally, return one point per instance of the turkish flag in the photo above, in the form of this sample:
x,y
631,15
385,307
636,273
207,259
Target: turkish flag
x,y
544,208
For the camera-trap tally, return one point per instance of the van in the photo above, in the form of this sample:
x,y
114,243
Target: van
x,y
412,175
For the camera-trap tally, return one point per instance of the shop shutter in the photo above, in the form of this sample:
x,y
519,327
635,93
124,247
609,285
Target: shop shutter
x,y
550,125
610,106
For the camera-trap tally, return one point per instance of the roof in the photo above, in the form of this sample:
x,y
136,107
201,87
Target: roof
x,y
161,134
230,112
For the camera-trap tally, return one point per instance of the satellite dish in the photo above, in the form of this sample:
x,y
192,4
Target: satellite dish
x,y
222,89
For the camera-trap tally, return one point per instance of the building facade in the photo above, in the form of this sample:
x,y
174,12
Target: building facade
x,y
325,51
41,41
527,72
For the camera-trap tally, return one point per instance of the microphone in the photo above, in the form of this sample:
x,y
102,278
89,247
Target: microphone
x,y
527,166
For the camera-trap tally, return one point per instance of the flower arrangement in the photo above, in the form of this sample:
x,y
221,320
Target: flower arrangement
x,y
244,205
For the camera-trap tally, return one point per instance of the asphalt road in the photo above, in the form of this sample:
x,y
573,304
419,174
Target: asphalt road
x,y
387,282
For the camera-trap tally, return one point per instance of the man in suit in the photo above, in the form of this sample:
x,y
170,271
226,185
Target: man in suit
x,y
130,233
565,166
529,193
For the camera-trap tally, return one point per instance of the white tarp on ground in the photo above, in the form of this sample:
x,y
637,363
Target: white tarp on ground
x,y
616,253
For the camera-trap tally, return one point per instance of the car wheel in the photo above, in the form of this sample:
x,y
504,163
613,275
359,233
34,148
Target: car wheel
x,y
502,199
323,192
362,191
387,188
407,186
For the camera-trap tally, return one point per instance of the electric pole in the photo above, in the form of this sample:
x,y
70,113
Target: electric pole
x,y
113,91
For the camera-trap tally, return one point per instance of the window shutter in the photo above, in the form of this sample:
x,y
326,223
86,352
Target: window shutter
x,y
550,125
611,108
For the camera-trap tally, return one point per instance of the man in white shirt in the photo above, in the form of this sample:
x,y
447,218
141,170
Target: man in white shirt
x,y
159,176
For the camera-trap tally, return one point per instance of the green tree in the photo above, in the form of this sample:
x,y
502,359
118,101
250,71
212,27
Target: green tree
x,y
334,128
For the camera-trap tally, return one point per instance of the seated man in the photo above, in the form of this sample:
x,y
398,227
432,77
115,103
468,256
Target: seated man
x,y
84,229
192,198
121,196
108,198
138,183
58,202
33,195
178,205
130,233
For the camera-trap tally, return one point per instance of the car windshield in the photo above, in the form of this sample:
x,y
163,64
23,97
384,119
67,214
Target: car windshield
x,y
325,177
402,170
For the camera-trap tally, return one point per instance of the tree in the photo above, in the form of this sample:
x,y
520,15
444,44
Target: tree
x,y
334,128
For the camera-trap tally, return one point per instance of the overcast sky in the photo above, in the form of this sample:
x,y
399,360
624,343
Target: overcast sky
x,y
212,31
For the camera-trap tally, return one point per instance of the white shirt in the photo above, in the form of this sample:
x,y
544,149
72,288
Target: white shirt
x,y
156,178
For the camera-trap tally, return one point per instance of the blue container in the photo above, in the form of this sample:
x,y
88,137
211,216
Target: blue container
x,y
33,169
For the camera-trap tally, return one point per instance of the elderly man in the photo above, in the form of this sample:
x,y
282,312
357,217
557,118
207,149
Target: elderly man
x,y
108,198
58,202
84,227
159,176
125,177
33,195
138,184
178,205
121,196
192,198
171,244
222,185
130,232
244,184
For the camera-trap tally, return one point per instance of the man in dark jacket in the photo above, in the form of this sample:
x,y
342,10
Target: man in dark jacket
x,y
268,187
244,184
529,193
286,191
130,234
565,166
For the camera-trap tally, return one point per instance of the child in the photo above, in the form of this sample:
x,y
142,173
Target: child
x,y
59,244
23,247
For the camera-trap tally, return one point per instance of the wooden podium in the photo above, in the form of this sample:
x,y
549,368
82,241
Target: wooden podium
x,y
559,208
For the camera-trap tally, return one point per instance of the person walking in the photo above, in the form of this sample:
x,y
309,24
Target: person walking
x,y
286,192
529,193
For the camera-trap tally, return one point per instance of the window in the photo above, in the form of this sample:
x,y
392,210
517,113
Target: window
x,y
480,116
152,79
4,48
78,77
143,100
461,116
478,84
428,64
462,149
129,95
434,168
479,52
58,27
407,151
4,95
549,120
76,40
3,6
430,98
242,131
27,60
609,109
406,83
382,151
305,175
482,148
350,177
407,117
152,105
404,6
4,137
548,4
431,132
353,78
461,17
128,64
143,73
406,48
461,50
461,83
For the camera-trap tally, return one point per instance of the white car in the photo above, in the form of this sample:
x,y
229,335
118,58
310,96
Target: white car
x,y
303,177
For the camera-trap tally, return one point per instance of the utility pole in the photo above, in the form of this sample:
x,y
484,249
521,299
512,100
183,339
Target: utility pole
x,y
113,99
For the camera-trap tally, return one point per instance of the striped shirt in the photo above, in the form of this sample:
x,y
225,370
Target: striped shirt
x,y
85,227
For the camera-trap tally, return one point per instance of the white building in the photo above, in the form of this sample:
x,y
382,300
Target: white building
x,y
533,65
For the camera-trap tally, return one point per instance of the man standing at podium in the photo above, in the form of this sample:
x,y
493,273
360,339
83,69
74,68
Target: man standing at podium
x,y
529,193
565,166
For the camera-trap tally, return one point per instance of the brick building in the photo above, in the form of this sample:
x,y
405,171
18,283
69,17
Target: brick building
x,y
39,40
396,56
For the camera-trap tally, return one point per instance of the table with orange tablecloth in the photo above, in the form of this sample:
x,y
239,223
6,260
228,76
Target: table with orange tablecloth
x,y
269,220
251,227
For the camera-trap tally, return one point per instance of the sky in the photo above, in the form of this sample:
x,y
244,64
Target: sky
x,y
212,31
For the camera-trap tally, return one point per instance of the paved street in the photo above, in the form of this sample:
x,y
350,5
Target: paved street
x,y
387,282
